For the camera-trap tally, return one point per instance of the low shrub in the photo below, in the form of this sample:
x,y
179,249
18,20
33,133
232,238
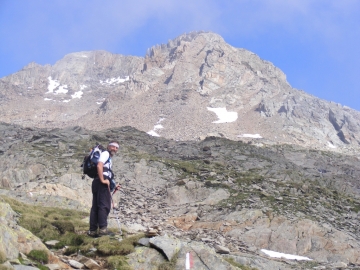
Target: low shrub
x,y
38,255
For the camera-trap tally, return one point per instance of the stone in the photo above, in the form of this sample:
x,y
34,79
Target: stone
x,y
51,243
24,267
144,242
202,257
170,246
52,266
339,265
76,264
145,258
91,264
221,249
151,232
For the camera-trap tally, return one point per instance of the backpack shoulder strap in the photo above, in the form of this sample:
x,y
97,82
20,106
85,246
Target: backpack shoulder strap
x,y
108,160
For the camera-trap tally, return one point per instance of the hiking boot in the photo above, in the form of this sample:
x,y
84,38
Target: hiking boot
x,y
104,232
92,233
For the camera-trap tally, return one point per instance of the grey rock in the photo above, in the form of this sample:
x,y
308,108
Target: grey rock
x,y
91,264
51,243
76,264
203,257
257,262
144,242
24,267
52,266
221,249
169,245
145,258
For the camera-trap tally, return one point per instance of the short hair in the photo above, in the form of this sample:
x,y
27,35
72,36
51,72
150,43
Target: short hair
x,y
114,141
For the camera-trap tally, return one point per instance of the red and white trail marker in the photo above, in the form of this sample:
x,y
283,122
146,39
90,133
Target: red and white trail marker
x,y
189,261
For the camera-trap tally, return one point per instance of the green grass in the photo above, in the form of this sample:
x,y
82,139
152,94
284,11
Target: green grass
x,y
117,262
107,246
48,223
66,226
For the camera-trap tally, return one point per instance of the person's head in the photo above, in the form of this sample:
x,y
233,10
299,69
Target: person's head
x,y
113,147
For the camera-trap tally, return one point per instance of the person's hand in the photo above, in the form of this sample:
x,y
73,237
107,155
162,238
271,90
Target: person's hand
x,y
118,186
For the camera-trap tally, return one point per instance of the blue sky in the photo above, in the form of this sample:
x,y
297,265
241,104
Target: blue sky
x,y
316,43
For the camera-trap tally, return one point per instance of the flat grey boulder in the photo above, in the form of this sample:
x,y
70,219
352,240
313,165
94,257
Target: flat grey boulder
x,y
201,257
169,245
76,264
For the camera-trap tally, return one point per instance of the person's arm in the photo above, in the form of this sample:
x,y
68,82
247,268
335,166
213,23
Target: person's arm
x,y
100,170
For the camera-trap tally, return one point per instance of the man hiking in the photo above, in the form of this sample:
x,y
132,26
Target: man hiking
x,y
101,187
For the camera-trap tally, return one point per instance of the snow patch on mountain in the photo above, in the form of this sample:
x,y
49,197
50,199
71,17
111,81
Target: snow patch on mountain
x,y
256,136
275,254
62,90
114,81
331,145
156,127
79,94
223,115
53,84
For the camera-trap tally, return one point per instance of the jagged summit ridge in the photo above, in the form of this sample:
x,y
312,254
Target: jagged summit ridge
x,y
186,37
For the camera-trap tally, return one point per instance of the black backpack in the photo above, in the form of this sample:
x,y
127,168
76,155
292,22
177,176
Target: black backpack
x,y
90,161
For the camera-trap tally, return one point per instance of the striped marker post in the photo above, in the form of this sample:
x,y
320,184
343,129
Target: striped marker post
x,y
189,261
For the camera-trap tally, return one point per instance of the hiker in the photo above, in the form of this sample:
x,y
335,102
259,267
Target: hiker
x,y
101,187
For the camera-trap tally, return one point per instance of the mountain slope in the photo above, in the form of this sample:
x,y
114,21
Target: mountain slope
x,y
220,192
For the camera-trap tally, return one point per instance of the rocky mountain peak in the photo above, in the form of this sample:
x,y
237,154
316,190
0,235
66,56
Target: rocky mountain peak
x,y
194,86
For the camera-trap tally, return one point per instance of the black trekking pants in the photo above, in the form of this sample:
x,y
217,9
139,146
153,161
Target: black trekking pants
x,y
101,205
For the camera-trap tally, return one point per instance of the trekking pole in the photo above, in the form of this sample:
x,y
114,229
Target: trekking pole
x,y
115,212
